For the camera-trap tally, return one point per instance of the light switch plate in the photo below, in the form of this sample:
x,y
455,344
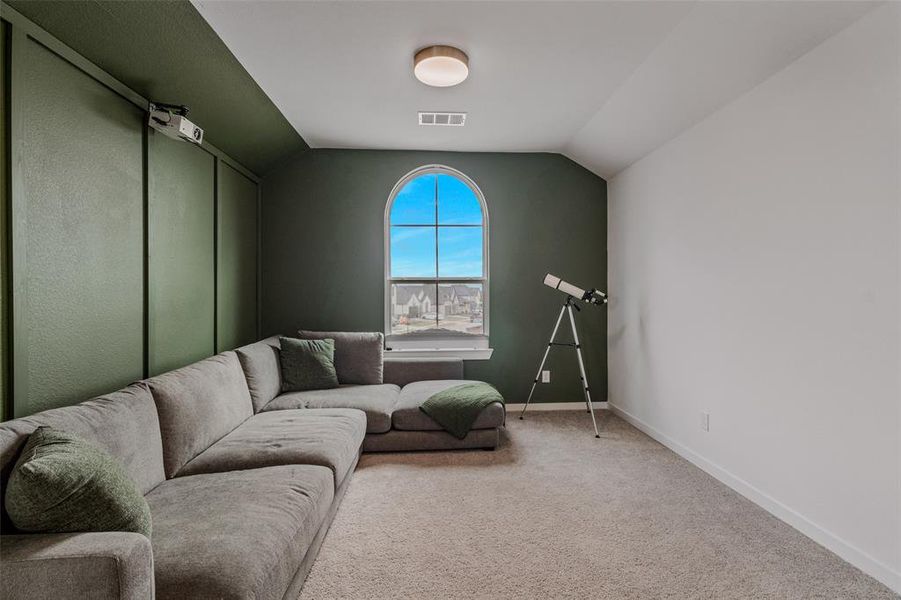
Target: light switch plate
x,y
545,377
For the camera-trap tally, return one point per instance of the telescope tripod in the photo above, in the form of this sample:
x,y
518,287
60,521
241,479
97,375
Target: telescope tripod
x,y
567,308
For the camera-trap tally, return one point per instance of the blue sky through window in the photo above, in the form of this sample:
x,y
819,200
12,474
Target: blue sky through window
x,y
413,252
460,251
415,202
434,200
457,204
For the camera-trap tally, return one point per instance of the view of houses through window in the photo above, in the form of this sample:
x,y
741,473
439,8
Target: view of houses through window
x,y
430,307
436,276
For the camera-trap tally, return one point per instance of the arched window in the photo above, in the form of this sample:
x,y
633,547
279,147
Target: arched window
x,y
436,262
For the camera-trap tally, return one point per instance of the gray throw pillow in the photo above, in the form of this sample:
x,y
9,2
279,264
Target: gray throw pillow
x,y
62,483
358,354
307,364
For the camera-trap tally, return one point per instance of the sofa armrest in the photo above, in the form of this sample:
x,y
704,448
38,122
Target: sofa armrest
x,y
107,565
401,371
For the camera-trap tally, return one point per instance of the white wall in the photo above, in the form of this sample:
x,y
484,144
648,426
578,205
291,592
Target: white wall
x,y
755,269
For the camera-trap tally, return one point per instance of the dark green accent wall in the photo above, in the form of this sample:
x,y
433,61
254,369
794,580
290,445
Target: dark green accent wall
x,y
323,252
110,245
237,248
80,244
181,256
164,50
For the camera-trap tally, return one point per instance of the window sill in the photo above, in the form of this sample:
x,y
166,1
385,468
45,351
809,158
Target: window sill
x,y
463,353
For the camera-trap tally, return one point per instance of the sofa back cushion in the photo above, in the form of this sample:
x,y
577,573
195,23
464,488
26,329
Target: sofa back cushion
x,y
401,371
198,405
358,355
123,423
262,370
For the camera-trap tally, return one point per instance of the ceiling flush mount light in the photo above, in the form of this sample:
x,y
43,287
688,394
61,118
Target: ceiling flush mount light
x,y
441,66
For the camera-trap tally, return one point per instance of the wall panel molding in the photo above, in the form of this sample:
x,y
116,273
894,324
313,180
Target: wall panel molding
x,y
17,385
237,259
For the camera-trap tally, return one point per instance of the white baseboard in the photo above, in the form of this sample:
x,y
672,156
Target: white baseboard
x,y
556,406
848,552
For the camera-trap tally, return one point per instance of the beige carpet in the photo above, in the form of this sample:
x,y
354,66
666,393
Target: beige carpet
x,y
556,513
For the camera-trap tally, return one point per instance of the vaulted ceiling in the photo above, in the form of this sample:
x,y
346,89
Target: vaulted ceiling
x,y
604,83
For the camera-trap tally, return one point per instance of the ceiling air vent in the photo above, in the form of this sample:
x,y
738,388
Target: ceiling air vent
x,y
445,119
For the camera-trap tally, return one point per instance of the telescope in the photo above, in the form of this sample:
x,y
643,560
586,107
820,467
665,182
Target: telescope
x,y
573,293
592,296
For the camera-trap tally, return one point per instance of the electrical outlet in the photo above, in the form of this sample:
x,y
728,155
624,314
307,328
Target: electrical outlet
x,y
545,377
705,421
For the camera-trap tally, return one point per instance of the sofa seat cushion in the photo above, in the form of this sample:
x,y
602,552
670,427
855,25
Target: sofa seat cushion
x,y
377,401
408,417
240,534
328,437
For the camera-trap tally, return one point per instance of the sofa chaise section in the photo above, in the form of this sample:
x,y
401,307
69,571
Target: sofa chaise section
x,y
412,429
408,417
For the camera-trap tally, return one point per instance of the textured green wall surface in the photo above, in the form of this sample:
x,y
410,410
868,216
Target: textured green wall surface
x,y
81,235
323,253
181,254
236,247
166,51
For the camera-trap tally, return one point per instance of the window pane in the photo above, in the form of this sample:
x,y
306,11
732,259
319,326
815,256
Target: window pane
x,y
414,204
457,203
413,307
460,251
412,251
460,308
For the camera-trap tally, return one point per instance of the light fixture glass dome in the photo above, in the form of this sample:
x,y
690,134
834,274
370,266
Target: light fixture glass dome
x,y
441,66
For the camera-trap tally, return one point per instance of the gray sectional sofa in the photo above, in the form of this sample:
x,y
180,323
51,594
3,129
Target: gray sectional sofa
x,y
242,481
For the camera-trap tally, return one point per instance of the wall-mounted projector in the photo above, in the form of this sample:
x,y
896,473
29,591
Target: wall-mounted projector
x,y
172,120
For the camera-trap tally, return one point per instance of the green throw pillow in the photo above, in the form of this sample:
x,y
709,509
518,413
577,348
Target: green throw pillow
x,y
64,484
307,364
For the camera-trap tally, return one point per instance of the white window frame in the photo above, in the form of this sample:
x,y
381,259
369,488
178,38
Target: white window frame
x,y
463,345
